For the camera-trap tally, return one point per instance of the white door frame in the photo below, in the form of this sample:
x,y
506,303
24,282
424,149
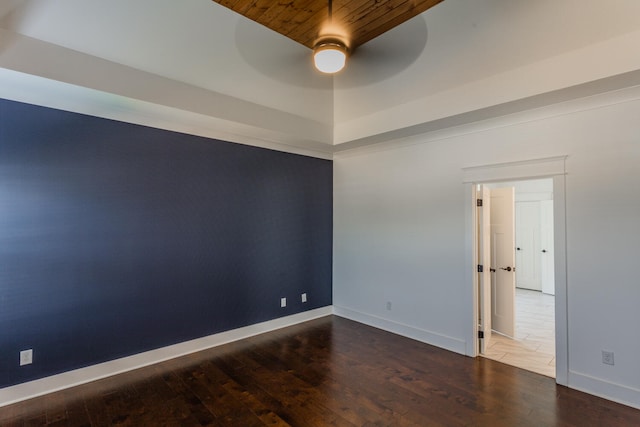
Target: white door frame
x,y
553,167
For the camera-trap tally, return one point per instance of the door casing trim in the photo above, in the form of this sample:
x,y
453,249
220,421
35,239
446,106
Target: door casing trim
x,y
550,167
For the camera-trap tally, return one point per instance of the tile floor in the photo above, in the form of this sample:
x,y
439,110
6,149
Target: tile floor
x,y
533,347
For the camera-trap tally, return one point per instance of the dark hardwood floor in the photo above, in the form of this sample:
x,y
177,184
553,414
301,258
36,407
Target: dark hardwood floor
x,y
327,372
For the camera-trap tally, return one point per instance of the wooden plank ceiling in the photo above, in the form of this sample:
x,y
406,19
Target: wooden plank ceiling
x,y
355,21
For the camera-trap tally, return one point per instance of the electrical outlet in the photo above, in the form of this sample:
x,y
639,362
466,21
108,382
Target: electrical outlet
x,y
389,305
283,302
26,357
607,357
304,297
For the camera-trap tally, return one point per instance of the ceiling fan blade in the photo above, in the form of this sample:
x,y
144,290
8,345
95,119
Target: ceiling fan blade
x,y
386,55
277,56
284,60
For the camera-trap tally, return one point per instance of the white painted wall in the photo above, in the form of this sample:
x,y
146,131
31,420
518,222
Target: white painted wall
x,y
399,218
481,53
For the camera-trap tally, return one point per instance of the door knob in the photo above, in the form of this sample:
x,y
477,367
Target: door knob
x,y
544,251
517,249
507,269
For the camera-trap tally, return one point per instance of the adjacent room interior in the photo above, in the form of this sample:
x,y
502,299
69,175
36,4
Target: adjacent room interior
x,y
176,177
532,344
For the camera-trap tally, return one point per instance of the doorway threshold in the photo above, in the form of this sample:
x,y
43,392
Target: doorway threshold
x,y
533,347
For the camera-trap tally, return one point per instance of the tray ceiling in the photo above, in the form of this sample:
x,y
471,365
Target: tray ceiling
x,y
358,21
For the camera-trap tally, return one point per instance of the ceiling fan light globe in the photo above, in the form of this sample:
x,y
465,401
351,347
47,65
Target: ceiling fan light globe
x,y
329,58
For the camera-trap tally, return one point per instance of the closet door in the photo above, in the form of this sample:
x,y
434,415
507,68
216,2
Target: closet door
x,y
528,249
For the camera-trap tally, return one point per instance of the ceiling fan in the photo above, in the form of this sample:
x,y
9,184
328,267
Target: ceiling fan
x,y
333,30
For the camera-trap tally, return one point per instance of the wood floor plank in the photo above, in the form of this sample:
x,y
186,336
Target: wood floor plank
x,y
227,410
327,372
286,387
262,411
316,373
77,414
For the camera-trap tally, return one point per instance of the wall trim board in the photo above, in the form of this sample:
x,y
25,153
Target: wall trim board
x,y
35,90
432,338
519,170
31,389
618,393
391,141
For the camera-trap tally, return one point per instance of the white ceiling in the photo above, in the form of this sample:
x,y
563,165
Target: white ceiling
x,y
218,74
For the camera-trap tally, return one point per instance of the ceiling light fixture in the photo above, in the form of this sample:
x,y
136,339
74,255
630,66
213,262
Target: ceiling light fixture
x,y
329,55
329,52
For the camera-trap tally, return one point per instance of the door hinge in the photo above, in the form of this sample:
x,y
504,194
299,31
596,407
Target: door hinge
x,y
480,268
479,202
481,334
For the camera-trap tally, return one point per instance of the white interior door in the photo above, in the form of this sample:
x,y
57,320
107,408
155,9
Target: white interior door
x,y
503,287
484,259
528,274
546,238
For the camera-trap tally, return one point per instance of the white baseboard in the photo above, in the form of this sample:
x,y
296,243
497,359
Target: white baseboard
x,y
607,390
448,343
76,377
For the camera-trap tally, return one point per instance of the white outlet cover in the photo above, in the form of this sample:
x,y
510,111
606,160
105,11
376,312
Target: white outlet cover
x,y
283,302
26,357
304,297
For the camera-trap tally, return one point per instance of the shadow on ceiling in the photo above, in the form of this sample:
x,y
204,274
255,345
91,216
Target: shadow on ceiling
x,y
284,60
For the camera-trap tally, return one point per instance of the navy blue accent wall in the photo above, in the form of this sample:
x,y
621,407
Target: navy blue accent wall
x,y
118,238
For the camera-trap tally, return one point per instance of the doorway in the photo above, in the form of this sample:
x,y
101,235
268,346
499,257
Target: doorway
x,y
515,227
550,167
